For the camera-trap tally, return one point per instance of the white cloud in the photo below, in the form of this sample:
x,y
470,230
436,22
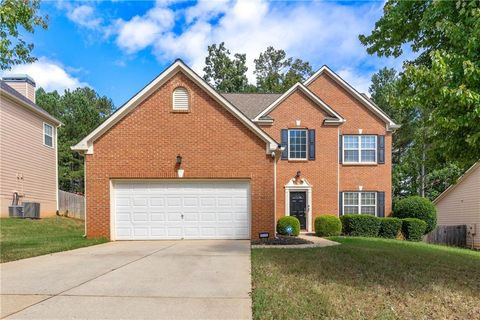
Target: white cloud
x,y
317,32
49,75
84,16
142,31
361,82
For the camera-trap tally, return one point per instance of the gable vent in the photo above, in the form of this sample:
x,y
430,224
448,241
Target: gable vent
x,y
180,99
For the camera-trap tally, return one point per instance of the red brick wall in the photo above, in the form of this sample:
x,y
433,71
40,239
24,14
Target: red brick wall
x,y
145,143
320,173
371,177
324,173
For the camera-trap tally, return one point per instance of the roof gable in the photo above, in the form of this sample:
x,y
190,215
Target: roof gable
x,y
335,117
473,168
24,101
390,124
86,145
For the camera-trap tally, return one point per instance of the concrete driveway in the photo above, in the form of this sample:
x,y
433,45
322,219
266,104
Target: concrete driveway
x,y
132,280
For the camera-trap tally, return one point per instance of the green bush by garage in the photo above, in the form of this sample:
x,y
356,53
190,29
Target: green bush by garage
x,y
327,226
413,229
417,207
390,227
283,224
360,225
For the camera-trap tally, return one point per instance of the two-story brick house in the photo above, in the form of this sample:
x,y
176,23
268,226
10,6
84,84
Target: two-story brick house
x,y
180,160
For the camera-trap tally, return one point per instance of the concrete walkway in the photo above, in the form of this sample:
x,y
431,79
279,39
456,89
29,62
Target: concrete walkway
x,y
132,280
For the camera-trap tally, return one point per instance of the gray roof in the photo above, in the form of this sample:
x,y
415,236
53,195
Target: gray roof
x,y
5,87
251,104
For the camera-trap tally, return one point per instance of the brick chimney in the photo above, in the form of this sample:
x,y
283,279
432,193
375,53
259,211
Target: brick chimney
x,y
23,83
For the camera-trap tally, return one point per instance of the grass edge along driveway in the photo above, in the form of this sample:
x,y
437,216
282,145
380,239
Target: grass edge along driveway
x,y
366,278
25,238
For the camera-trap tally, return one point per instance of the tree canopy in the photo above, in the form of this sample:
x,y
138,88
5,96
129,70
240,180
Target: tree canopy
x,y
274,71
226,74
81,111
15,14
443,81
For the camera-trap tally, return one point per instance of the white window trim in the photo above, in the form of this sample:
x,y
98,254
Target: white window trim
x,y
306,145
359,149
359,204
52,136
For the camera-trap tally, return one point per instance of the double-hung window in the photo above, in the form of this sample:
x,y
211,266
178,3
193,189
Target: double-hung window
x,y
360,203
359,149
297,144
48,135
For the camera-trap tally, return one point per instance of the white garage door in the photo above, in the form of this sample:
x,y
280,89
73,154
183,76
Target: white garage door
x,y
147,210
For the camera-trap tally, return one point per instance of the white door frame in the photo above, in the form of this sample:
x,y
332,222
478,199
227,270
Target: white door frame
x,y
302,186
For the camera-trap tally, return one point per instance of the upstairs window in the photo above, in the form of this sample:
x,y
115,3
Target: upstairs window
x,y
297,144
360,149
360,203
47,135
180,99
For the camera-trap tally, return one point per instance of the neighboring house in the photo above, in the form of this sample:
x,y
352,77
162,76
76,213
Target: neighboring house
x,y
246,159
28,147
460,205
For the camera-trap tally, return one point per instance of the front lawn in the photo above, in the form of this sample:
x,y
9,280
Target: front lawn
x,y
366,278
23,238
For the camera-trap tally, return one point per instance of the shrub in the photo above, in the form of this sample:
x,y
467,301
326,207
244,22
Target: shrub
x,y
413,229
288,221
417,207
360,225
390,227
327,225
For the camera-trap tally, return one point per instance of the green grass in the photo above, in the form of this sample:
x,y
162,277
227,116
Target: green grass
x,y
23,238
366,278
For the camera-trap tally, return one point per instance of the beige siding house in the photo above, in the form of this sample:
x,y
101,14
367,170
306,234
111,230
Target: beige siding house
x,y
28,147
460,204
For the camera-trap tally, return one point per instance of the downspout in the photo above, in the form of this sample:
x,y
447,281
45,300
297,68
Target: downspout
x,y
56,165
85,192
276,156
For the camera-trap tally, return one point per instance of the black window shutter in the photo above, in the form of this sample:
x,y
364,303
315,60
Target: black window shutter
x,y
340,149
284,143
381,204
311,144
340,204
381,149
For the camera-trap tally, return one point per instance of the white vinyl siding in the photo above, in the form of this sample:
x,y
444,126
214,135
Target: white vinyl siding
x,y
297,144
180,99
359,149
47,135
360,203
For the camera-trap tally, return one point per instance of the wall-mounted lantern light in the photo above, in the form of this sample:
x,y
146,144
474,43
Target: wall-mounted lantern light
x,y
180,170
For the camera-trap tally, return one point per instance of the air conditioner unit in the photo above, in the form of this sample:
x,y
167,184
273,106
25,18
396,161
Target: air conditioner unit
x,y
31,210
15,211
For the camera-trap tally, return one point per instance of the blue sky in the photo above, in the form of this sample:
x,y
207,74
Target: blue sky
x,y
117,47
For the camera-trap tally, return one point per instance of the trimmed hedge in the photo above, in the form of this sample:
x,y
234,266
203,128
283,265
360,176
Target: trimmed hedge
x,y
284,222
390,227
417,207
360,225
413,229
327,225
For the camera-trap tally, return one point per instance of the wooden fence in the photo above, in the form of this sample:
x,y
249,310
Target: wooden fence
x,y
448,235
71,204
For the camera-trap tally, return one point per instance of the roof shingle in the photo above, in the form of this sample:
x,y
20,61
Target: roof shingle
x,y
251,104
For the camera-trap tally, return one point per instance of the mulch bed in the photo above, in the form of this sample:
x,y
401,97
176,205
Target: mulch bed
x,y
282,240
